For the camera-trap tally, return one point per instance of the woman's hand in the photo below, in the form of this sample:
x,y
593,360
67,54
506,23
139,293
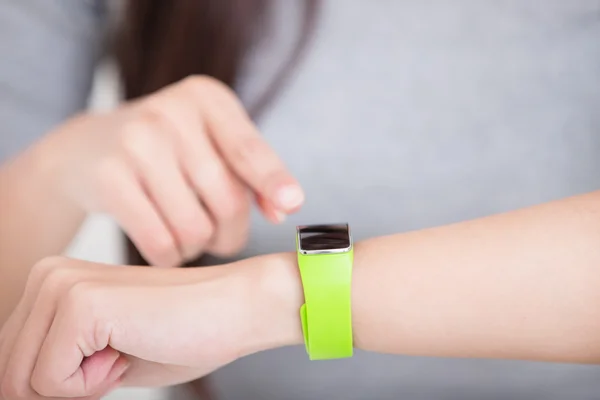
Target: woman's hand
x,y
177,170
82,329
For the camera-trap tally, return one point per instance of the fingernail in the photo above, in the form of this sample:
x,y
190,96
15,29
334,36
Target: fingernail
x,y
290,197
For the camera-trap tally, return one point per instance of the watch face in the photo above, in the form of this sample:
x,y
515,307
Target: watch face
x,y
324,238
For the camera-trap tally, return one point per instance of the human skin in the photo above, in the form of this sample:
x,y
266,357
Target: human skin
x,y
178,171
519,285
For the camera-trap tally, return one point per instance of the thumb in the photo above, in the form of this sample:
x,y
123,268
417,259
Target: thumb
x,y
102,368
96,372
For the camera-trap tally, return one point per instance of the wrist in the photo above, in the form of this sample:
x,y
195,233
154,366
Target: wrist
x,y
274,299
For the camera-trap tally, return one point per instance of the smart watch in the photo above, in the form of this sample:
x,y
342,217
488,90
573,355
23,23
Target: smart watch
x,y
325,256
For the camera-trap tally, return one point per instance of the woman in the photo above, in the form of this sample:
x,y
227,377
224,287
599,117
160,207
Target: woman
x,y
399,116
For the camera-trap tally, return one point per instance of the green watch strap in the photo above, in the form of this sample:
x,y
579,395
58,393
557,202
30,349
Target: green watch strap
x,y
327,314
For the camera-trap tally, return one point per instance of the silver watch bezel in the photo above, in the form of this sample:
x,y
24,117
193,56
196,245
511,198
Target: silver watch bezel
x,y
338,250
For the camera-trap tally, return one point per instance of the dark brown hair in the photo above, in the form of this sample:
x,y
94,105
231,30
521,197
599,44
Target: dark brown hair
x,y
159,42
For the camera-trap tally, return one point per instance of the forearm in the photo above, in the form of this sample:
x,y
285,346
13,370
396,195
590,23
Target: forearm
x,y
37,220
522,285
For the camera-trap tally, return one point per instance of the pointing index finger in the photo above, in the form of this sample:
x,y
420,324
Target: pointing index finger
x,y
244,149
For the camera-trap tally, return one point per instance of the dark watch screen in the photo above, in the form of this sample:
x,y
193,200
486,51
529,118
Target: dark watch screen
x,y
324,237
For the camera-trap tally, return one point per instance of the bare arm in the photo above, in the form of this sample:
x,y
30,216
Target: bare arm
x,y
521,285
49,50
37,221
177,184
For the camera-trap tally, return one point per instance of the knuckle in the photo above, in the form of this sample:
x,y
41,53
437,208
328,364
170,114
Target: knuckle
x,y
162,244
42,268
248,151
233,207
56,279
203,234
227,199
161,249
151,112
137,138
199,84
207,87
49,273
195,235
